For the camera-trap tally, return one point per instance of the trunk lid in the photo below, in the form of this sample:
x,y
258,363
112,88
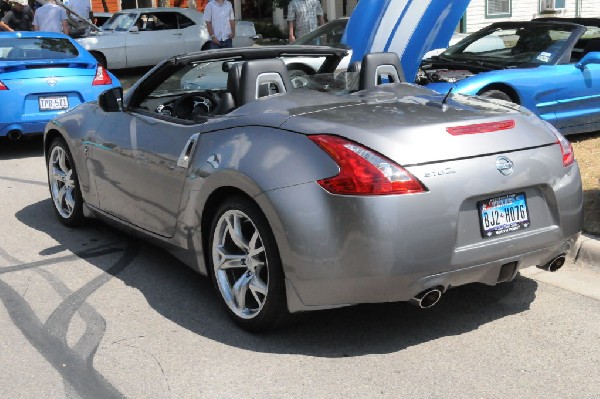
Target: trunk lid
x,y
417,128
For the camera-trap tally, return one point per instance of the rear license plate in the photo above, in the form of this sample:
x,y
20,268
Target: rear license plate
x,y
53,103
504,214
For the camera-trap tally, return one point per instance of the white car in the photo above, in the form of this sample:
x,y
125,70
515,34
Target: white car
x,y
145,36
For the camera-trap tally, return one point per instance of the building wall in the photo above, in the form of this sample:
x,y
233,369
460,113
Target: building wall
x,y
526,10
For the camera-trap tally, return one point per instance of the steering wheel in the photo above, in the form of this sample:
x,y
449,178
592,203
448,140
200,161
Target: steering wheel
x,y
193,105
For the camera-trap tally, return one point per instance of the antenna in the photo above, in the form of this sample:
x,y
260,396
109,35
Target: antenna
x,y
444,105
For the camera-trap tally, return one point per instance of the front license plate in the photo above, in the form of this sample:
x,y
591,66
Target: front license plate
x,y
504,214
53,103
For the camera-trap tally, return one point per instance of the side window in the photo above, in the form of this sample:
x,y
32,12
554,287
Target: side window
x,y
191,93
184,22
157,21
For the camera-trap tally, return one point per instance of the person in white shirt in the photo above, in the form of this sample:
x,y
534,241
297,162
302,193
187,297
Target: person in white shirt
x,y
220,23
83,8
51,18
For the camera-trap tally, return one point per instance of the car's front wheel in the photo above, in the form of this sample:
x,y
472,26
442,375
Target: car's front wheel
x,y
497,94
64,184
246,266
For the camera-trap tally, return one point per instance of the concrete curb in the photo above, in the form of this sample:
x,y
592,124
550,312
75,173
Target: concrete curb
x,y
587,252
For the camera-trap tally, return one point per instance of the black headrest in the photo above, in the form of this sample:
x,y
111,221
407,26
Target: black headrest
x,y
233,82
376,66
255,73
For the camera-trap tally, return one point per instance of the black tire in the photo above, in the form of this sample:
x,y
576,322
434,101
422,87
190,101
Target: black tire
x,y
249,308
63,183
100,58
497,94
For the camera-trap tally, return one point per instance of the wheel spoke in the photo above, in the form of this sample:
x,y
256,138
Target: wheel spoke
x,y
257,286
253,250
62,162
234,226
240,288
69,201
60,196
229,261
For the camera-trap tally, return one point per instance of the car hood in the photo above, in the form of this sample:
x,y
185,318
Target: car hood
x,y
383,118
409,28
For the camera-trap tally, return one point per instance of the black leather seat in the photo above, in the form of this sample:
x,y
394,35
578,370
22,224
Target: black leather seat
x,y
376,67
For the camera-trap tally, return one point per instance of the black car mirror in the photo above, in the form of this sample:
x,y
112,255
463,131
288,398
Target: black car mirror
x,y
111,100
590,58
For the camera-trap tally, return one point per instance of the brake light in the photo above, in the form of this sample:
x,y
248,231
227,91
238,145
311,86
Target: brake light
x,y
364,172
3,86
481,128
566,148
102,77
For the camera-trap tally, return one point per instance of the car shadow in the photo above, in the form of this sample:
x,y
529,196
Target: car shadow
x,y
26,147
188,299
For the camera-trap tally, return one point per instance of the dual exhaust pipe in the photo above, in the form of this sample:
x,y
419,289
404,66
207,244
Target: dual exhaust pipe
x,y
554,264
430,297
426,299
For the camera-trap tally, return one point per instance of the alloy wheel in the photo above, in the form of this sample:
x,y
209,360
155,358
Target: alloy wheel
x,y
62,183
240,264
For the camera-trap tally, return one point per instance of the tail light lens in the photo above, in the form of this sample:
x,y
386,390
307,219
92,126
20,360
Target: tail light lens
x,y
364,172
3,86
102,77
566,148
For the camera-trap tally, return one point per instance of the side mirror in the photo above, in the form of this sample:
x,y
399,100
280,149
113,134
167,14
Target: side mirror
x,y
134,28
111,100
592,57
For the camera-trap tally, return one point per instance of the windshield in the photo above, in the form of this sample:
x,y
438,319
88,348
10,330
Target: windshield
x,y
120,22
36,48
513,44
329,34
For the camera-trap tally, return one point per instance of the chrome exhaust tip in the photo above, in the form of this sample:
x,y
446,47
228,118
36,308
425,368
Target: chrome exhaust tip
x,y
427,298
554,264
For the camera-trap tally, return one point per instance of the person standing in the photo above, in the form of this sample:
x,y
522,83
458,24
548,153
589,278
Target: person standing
x,y
303,17
51,18
19,18
220,23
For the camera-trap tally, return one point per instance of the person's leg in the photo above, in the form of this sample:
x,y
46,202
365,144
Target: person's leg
x,y
227,43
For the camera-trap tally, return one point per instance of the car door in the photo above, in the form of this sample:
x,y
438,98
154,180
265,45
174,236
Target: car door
x,y
578,97
140,166
157,37
194,35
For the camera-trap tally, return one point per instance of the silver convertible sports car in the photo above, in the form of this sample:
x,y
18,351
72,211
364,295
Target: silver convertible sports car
x,y
319,191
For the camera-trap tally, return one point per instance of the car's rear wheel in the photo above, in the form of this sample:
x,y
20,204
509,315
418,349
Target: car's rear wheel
x,y
246,266
497,94
64,184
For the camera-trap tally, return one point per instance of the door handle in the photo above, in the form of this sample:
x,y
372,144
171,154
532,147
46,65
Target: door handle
x,y
184,158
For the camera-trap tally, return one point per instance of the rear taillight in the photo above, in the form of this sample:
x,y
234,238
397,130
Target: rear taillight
x,y
568,155
364,172
3,86
102,77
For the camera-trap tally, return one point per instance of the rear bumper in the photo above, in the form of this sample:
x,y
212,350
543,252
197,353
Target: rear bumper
x,y
24,128
377,289
344,250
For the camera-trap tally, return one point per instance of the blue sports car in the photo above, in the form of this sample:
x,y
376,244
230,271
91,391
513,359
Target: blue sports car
x,y
550,67
43,74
